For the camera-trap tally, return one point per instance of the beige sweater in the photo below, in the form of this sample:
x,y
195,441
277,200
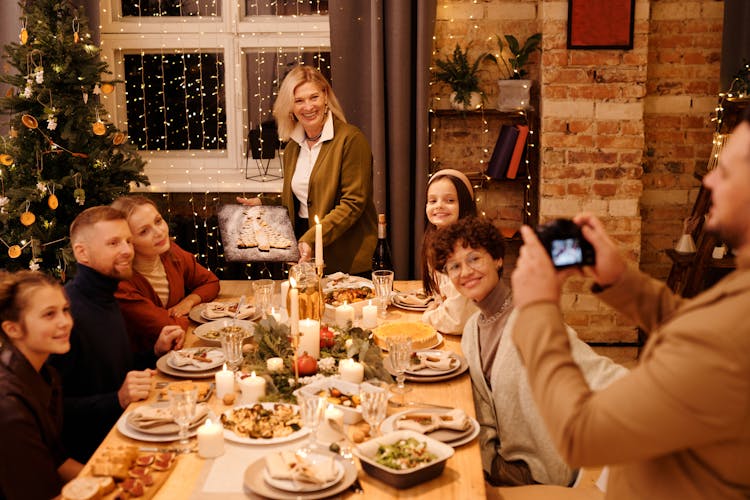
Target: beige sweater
x,y
509,419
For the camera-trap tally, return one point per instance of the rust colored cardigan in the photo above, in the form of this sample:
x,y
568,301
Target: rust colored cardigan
x,y
144,313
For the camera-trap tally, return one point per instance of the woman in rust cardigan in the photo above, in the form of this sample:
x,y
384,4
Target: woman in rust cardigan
x,y
167,281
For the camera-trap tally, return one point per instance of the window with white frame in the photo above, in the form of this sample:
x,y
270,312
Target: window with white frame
x,y
200,78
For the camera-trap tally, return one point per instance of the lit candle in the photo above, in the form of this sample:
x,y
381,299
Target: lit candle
x,y
224,382
253,388
344,314
351,371
276,315
309,340
294,307
210,439
318,243
370,315
274,365
329,433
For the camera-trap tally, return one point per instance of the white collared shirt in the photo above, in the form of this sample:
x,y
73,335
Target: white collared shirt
x,y
306,161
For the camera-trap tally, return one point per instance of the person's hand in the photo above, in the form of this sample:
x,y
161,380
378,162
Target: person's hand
x,y
305,252
136,387
249,202
535,278
610,264
183,307
170,337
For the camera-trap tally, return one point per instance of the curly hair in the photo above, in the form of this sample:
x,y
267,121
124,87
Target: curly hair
x,y
470,232
17,291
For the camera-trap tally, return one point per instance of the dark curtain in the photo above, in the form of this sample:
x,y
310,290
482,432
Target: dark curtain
x,y
380,56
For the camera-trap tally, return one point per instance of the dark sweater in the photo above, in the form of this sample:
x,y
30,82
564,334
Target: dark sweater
x,y
98,361
30,423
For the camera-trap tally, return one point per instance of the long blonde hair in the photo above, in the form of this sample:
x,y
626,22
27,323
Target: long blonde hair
x,y
282,108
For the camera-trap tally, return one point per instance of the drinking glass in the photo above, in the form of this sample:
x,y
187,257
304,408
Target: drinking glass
x,y
182,403
374,402
262,294
312,409
383,281
399,355
231,344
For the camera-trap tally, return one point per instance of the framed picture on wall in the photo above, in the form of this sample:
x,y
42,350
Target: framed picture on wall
x,y
596,24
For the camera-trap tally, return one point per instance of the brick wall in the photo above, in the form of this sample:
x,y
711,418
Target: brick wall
x,y
620,131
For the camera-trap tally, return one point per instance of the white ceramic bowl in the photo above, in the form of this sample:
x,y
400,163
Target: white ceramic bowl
x,y
351,415
408,477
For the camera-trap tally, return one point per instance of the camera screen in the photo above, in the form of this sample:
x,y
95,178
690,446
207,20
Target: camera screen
x,y
566,252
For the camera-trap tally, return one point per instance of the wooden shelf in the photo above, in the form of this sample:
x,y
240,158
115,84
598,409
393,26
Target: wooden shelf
x,y
686,259
521,113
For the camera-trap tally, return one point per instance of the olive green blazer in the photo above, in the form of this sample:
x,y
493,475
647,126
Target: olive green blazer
x,y
340,194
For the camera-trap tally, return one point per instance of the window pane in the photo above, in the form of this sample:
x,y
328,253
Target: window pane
x,y
266,70
147,8
176,101
285,7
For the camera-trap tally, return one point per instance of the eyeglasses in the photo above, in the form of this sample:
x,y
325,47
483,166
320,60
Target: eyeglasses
x,y
474,261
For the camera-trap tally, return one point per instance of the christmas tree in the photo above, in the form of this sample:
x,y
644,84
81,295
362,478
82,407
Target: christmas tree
x,y
60,155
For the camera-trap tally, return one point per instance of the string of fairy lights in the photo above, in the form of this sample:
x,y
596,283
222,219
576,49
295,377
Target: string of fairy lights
x,y
739,89
176,99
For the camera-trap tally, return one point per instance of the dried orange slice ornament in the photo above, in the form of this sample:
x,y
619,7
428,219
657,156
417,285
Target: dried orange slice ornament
x,y
99,128
107,88
14,251
23,36
52,202
29,121
118,138
6,160
27,218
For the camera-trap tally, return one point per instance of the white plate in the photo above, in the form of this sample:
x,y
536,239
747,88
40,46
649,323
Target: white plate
x,y
201,409
163,366
443,435
203,331
397,300
256,487
431,372
215,355
231,436
126,430
297,486
196,314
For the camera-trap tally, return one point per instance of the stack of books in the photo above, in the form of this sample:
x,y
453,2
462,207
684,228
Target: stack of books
x,y
509,152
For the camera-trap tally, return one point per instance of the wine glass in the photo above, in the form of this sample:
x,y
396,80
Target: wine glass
x,y
383,282
374,402
231,345
182,403
312,409
399,355
263,292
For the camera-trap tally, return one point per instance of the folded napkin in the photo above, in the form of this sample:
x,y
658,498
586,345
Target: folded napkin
x,y
418,299
455,420
198,359
441,361
216,310
159,420
292,466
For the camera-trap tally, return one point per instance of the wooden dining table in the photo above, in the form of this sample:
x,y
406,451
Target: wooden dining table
x,y
198,478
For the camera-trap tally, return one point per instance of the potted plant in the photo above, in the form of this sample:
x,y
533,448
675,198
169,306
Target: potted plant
x,y
514,89
462,74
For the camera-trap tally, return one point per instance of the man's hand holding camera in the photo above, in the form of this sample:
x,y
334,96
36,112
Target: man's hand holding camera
x,y
537,279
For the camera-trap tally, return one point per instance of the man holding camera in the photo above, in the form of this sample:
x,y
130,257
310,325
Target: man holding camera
x,y
678,425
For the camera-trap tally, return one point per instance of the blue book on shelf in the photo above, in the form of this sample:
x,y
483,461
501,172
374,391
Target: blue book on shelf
x,y
501,155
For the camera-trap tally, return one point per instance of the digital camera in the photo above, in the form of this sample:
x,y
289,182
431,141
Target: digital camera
x,y
565,243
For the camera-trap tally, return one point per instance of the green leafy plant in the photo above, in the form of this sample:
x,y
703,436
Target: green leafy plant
x,y
460,73
515,66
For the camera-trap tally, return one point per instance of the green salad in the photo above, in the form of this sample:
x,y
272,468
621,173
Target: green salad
x,y
404,454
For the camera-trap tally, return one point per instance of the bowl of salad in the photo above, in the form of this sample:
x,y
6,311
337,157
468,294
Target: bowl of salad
x,y
403,458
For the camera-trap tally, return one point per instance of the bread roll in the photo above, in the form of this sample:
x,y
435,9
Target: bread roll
x,y
82,488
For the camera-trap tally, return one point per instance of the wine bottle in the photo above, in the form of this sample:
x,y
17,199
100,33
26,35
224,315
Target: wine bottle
x,y
381,258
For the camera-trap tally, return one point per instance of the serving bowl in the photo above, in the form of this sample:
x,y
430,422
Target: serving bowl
x,y
405,478
351,415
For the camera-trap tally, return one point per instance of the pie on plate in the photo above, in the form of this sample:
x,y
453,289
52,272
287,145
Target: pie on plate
x,y
422,335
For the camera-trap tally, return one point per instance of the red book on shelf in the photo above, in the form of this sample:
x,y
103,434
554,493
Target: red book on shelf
x,y
518,150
